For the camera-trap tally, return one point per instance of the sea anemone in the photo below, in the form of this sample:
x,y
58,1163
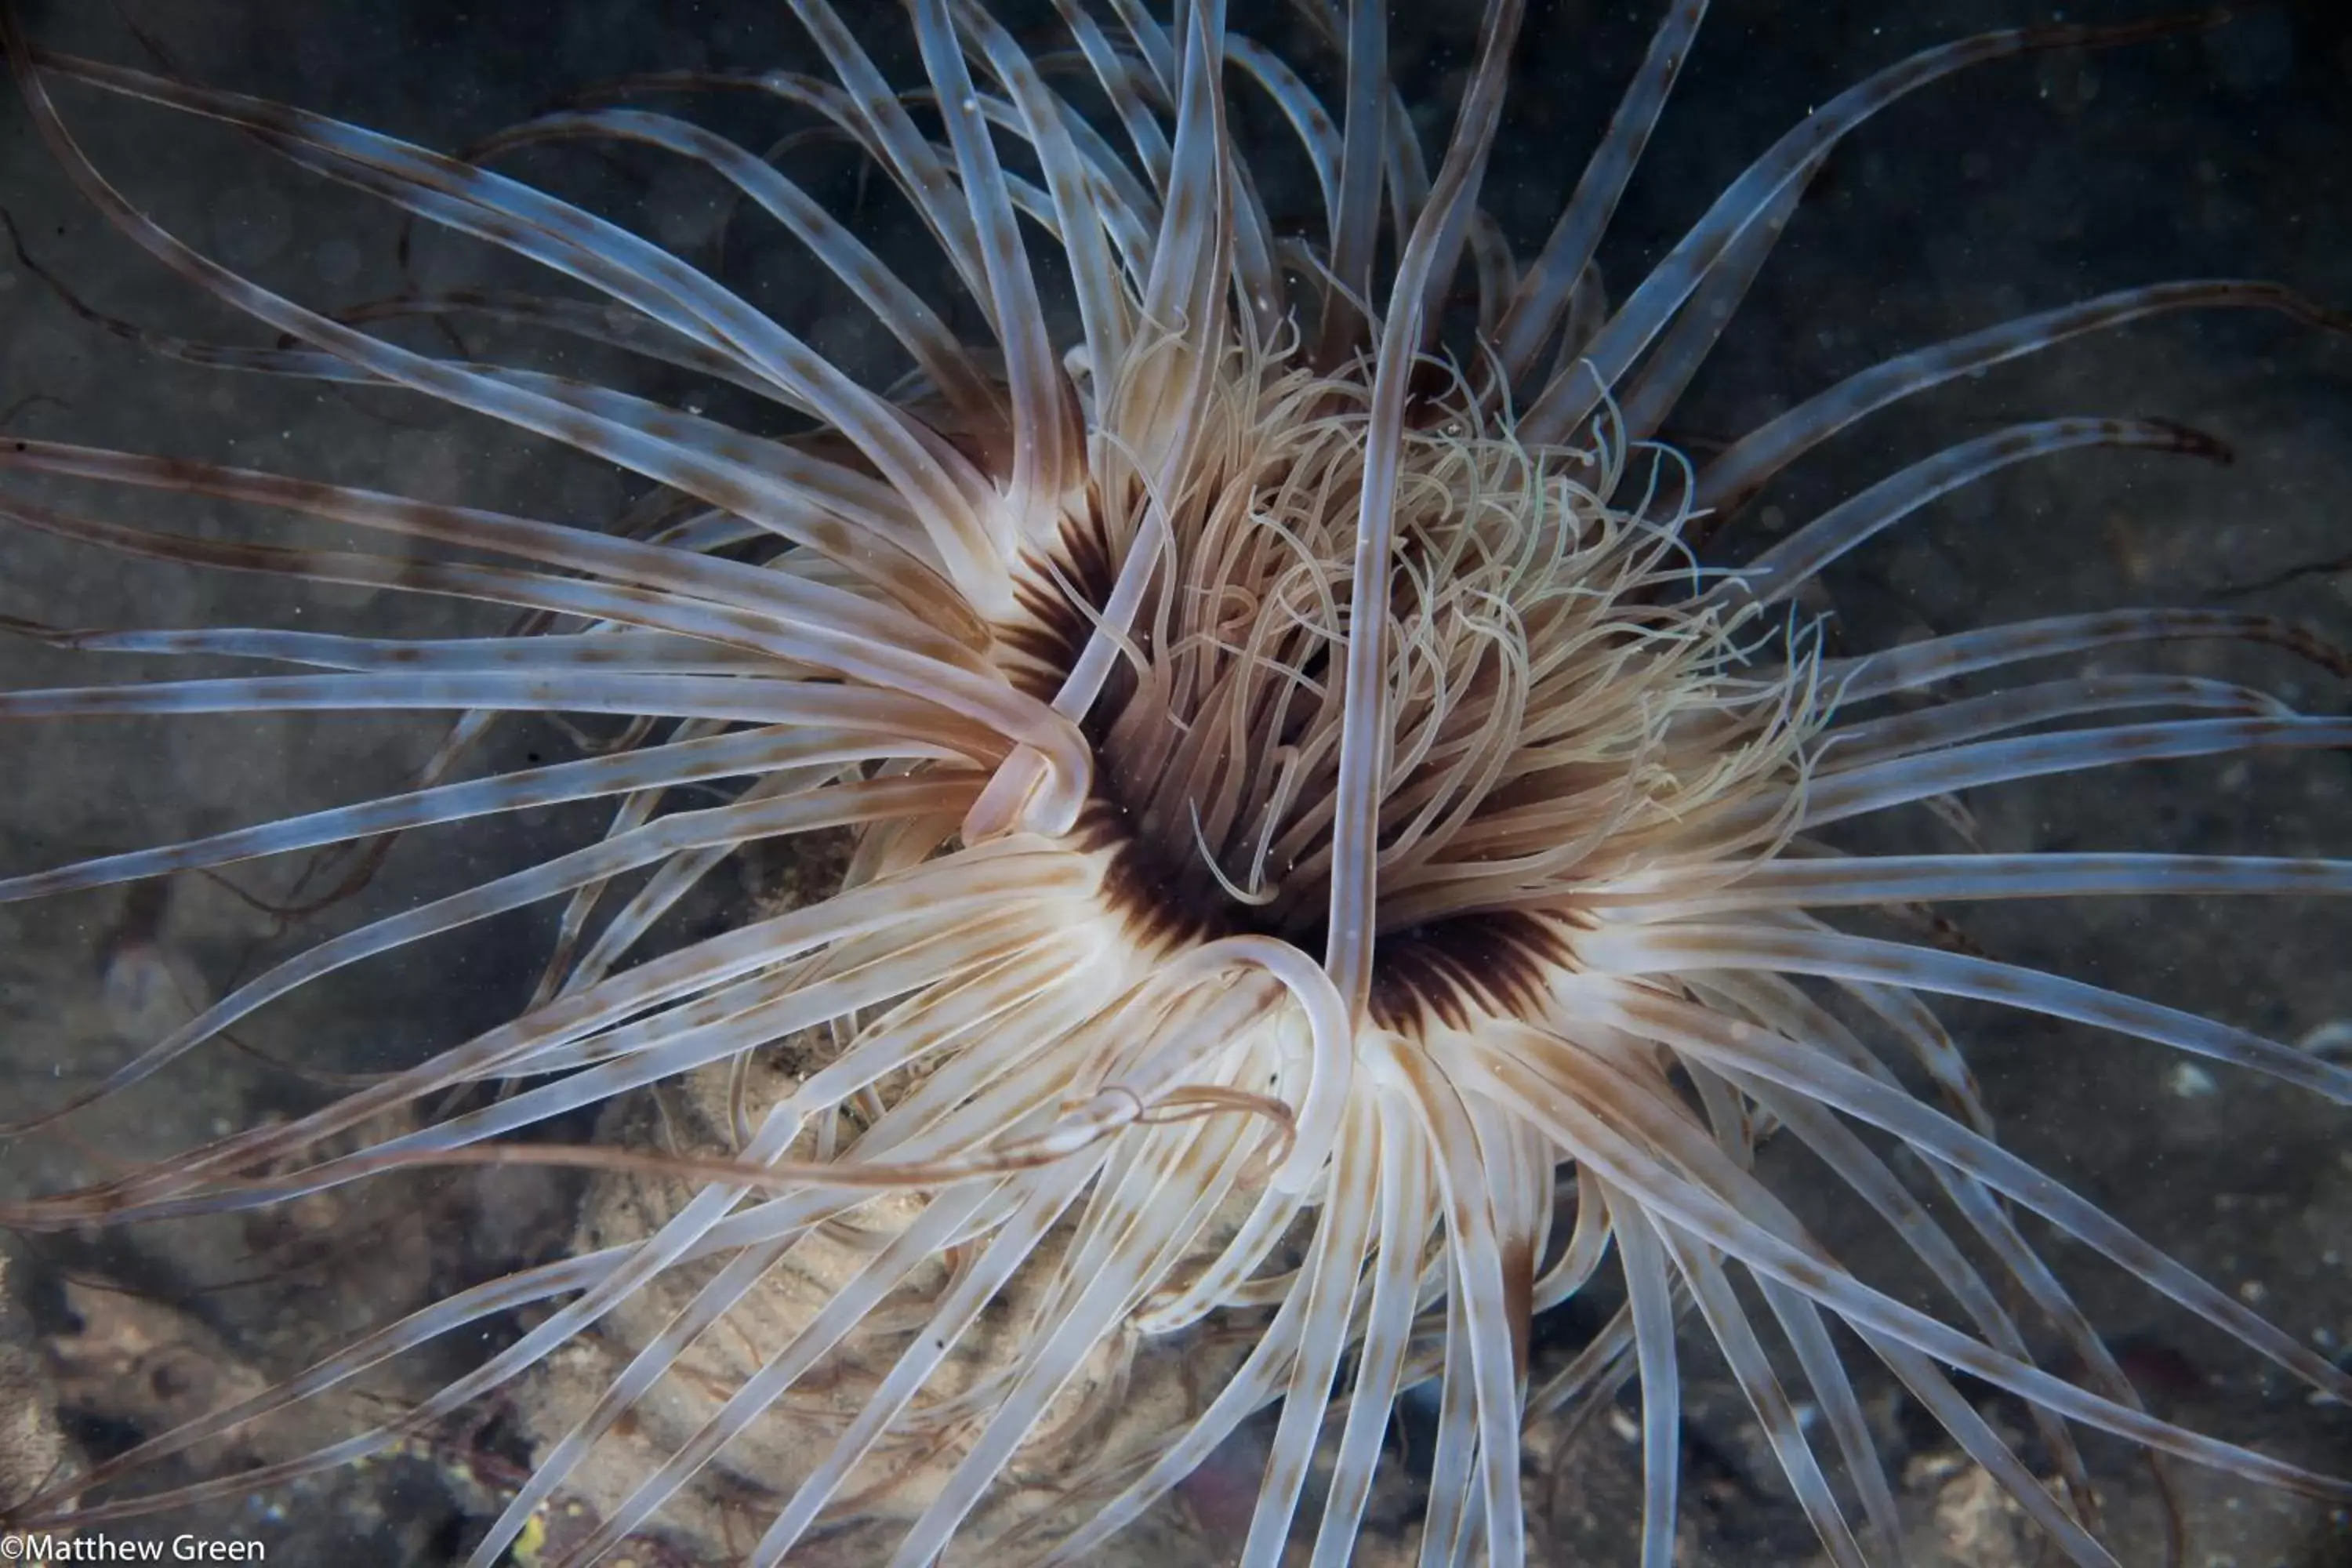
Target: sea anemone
x,y
1319,835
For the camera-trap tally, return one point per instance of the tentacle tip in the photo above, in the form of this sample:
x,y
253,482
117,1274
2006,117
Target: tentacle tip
x,y
2192,442
40,631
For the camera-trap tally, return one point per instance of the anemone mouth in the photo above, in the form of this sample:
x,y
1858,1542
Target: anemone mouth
x,y
1562,700
1306,800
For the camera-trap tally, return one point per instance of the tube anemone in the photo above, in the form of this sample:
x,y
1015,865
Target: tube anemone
x,y
1320,835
